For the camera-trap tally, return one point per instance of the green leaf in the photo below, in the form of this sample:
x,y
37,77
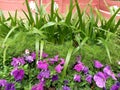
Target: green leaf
x,y
52,9
7,36
69,15
67,62
47,25
108,24
29,12
80,44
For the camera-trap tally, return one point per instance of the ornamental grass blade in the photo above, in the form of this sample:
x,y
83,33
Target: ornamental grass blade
x,y
26,16
110,21
7,36
116,26
41,48
38,32
69,15
104,42
69,54
2,17
47,25
52,10
29,13
4,56
80,45
13,19
4,29
37,45
79,14
100,16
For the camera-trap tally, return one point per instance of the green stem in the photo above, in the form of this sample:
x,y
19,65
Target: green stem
x,y
41,48
4,57
37,48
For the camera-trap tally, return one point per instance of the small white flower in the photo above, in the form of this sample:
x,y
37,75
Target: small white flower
x,y
32,5
118,62
27,51
55,6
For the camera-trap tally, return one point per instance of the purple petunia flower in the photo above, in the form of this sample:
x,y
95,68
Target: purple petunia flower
x,y
3,82
66,82
100,79
44,55
18,74
108,71
58,68
118,75
79,67
98,64
43,74
39,86
77,78
10,86
66,88
62,61
29,59
54,78
42,65
53,60
89,78
116,86
17,61
85,70
33,54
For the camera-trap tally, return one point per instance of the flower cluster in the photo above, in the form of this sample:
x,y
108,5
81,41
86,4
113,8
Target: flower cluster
x,y
7,85
50,69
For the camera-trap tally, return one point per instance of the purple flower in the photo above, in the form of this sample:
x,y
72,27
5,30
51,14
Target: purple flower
x,y
10,86
89,78
39,86
116,86
79,67
62,61
29,59
54,78
43,74
3,82
42,65
33,55
55,59
18,74
100,79
85,70
118,75
98,64
58,68
66,82
77,78
17,61
66,88
108,71
44,55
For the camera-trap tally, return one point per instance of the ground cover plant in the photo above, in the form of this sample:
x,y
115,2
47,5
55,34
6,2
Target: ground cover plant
x,y
51,72
82,50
